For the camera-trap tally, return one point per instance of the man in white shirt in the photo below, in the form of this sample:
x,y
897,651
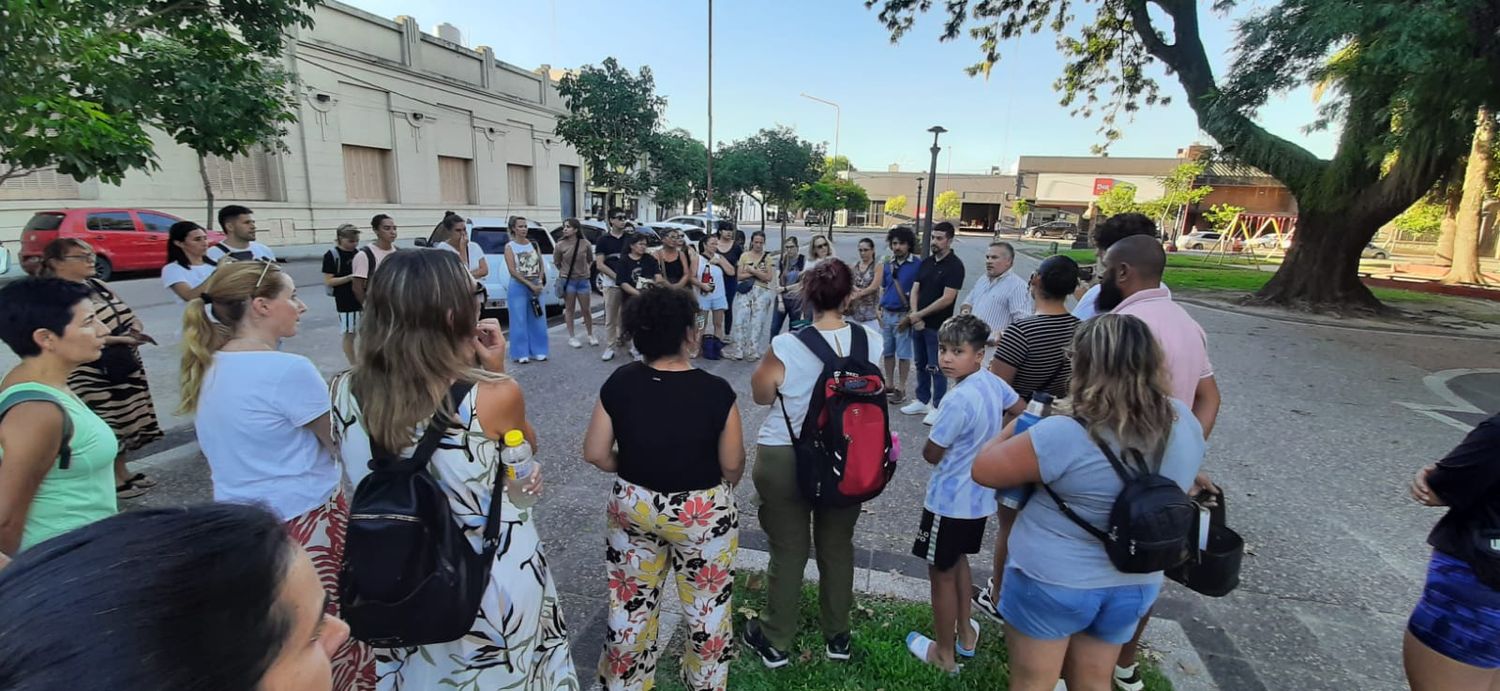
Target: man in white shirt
x,y
238,224
1112,230
999,297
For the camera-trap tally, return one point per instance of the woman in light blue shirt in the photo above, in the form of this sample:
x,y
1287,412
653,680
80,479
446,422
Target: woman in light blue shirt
x,y
1062,599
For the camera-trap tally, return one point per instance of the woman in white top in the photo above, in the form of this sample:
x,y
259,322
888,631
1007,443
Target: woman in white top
x,y
452,235
187,266
791,370
708,279
262,420
415,348
528,321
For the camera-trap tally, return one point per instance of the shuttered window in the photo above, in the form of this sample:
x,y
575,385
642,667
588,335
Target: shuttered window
x,y
245,177
521,188
366,174
453,180
46,183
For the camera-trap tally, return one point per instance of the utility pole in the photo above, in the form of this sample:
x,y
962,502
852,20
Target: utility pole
x,y
917,212
931,190
713,227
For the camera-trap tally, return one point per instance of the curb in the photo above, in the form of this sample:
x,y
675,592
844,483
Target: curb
x,y
1219,307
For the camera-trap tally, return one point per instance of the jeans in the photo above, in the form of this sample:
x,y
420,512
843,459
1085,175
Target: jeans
x,y
792,526
528,331
931,384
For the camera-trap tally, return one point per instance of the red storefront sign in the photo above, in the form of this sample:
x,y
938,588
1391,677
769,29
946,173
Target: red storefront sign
x,y
1102,185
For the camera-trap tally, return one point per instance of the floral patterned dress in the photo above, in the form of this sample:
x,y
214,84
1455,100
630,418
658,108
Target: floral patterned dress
x,y
519,640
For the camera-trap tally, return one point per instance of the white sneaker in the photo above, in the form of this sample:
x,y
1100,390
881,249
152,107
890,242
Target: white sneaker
x,y
609,354
593,341
915,408
543,358
524,361
930,417
575,343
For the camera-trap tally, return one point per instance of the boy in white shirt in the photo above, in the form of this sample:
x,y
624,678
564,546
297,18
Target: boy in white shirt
x,y
954,512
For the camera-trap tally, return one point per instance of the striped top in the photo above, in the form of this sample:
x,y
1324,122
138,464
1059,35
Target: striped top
x,y
999,301
1035,347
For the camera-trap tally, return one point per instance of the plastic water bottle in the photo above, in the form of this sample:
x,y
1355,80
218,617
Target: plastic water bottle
x,y
519,467
1040,405
895,446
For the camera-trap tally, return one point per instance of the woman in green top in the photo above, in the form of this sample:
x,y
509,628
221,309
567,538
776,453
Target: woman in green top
x,y
51,325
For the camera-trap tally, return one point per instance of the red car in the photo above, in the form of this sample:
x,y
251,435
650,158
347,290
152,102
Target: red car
x,y
123,239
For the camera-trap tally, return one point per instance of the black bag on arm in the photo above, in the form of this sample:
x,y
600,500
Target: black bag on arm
x,y
410,577
1152,525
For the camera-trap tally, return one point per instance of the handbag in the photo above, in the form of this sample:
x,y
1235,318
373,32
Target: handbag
x,y
562,280
1214,568
713,348
116,362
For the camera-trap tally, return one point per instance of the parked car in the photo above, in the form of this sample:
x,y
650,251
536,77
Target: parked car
x,y
9,270
1373,252
123,239
492,234
699,221
1269,241
693,233
1066,230
1198,240
814,218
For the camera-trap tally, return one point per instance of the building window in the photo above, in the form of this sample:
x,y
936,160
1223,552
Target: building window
x,y
46,183
567,178
521,190
453,180
242,177
366,174
876,215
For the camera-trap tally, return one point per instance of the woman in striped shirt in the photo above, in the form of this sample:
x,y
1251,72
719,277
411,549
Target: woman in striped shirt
x,y
1031,355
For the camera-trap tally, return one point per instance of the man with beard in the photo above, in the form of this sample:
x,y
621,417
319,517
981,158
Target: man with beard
x,y
1131,284
1105,235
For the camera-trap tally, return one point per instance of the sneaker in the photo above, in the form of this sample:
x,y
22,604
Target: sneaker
x,y
593,341
930,417
575,343
543,358
609,354
916,408
984,601
732,354
838,647
769,655
129,490
1129,678
524,361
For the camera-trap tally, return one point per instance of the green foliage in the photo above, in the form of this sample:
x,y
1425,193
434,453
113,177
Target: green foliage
x,y
1424,220
832,165
948,204
86,79
1020,208
832,195
613,119
1219,216
852,197
1178,191
1118,200
896,204
773,163
679,167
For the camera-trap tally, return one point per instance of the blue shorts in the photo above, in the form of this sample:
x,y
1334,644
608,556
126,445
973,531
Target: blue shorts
x,y
1014,497
1052,612
1458,616
897,343
709,303
576,286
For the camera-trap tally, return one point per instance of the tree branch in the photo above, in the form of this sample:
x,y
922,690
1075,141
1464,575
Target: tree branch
x,y
16,172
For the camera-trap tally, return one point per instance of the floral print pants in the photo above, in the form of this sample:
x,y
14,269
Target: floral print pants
x,y
321,533
652,534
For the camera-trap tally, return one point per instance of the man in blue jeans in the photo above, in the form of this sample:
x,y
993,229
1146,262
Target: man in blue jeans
x,y
895,303
935,291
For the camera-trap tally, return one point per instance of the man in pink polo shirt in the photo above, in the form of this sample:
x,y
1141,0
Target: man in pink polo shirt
x,y
1131,284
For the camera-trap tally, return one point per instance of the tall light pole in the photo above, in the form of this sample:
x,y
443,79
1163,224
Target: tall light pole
x,y
712,226
838,118
917,212
931,190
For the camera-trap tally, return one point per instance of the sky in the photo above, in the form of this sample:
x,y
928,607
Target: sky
x,y
768,52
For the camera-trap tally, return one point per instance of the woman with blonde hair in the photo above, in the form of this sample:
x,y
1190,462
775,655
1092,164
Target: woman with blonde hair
x,y
262,421
114,386
1065,605
422,342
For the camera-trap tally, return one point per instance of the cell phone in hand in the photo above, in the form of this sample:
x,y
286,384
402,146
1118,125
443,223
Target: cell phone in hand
x,y
1086,273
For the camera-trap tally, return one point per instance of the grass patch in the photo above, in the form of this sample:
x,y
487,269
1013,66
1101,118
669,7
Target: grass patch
x,y
880,658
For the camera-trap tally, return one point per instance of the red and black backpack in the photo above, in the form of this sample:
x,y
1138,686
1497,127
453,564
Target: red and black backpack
x,y
844,451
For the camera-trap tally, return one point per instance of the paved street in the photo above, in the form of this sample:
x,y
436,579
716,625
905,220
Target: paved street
x,y
1320,431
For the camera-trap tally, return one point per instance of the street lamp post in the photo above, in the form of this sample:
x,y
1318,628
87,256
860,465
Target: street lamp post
x,y
917,212
838,118
931,190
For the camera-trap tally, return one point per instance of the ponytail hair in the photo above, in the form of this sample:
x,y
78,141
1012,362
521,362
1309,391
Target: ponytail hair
x,y
212,317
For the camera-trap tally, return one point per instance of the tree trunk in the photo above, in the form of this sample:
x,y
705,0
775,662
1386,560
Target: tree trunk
x,y
208,191
1465,268
1453,195
1321,270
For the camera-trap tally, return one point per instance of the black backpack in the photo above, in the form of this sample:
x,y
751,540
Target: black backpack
x,y
410,577
844,451
1152,525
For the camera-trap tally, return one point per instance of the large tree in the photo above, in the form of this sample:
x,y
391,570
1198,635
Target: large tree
x,y
1465,267
771,166
86,80
679,168
1407,79
613,119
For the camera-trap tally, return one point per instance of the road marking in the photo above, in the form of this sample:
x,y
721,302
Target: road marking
x,y
1437,383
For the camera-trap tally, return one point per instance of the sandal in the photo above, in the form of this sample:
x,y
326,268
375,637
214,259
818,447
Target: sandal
x,y
141,480
919,646
958,645
129,490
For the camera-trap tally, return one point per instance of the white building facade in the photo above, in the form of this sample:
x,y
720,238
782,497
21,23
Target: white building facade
x,y
391,120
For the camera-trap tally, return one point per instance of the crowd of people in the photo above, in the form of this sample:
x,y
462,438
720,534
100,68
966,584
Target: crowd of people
x,y
1126,375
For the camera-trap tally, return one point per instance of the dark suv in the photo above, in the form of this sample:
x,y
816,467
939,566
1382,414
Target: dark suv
x,y
1066,230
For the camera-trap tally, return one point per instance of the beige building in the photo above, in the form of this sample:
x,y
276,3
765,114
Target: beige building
x,y
986,197
391,120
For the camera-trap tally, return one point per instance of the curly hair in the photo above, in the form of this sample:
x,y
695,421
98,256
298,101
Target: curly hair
x,y
1121,226
1119,385
657,321
902,233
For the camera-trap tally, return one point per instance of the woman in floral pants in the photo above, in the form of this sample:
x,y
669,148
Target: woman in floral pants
x,y
673,505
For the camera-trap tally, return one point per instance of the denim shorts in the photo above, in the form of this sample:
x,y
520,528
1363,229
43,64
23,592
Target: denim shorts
x,y
897,343
576,286
716,301
1458,616
1052,612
